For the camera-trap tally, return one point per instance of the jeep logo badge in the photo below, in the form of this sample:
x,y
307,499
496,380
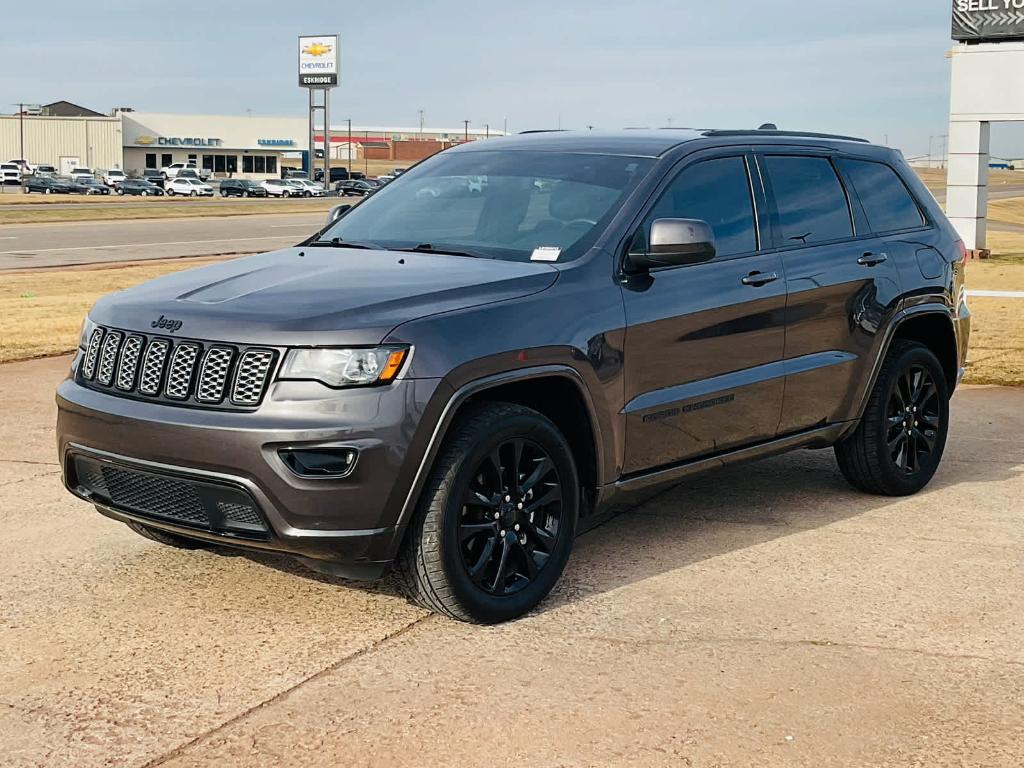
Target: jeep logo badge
x,y
166,322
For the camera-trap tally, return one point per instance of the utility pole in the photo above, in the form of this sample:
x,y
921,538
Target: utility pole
x,y
21,130
349,121
930,151
465,134
366,160
505,128
487,130
421,124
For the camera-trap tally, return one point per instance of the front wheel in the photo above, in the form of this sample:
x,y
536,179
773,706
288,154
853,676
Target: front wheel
x,y
170,193
495,522
899,441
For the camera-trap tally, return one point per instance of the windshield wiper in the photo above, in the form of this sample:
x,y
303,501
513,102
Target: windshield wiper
x,y
337,242
428,248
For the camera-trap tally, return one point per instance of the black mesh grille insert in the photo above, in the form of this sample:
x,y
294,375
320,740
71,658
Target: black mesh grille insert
x,y
210,505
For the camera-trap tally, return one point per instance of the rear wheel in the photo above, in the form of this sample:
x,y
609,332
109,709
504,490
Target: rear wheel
x,y
170,192
899,441
164,537
496,520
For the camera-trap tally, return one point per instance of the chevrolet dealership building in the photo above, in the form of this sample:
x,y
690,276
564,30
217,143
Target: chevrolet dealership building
x,y
253,147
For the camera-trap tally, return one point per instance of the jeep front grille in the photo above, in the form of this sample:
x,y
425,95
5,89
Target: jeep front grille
x,y
182,372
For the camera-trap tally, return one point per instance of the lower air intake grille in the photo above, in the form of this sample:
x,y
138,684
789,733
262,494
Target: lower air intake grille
x,y
208,505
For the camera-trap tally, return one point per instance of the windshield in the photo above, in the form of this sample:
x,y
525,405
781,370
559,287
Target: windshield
x,y
497,204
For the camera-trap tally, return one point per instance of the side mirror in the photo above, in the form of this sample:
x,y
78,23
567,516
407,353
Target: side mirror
x,y
337,212
674,242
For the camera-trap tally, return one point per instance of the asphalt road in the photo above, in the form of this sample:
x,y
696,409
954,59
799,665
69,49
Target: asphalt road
x,y
69,243
756,616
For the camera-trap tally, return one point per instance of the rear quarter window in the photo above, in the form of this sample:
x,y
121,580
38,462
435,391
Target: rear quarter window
x,y
810,202
887,203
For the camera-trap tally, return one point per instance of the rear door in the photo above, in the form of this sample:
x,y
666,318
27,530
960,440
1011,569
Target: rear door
x,y
840,280
704,342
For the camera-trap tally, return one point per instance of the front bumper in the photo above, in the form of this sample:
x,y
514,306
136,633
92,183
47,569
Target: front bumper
x,y
351,521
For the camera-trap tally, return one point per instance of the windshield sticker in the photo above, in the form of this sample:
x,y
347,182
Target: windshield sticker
x,y
546,253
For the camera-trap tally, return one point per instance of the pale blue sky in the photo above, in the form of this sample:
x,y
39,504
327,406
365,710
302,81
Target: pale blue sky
x,y
870,68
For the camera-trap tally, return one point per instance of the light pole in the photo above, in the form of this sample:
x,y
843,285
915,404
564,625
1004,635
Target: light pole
x,y
349,121
465,133
504,129
421,124
487,130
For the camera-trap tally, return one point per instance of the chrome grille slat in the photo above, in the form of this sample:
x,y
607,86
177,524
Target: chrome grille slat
x,y
213,374
108,358
92,353
129,364
180,370
187,372
153,366
251,376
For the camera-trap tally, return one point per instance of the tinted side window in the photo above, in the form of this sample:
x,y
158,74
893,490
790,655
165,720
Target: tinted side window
x,y
718,192
811,203
886,200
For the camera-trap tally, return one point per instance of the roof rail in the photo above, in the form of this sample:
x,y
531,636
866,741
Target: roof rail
x,y
795,134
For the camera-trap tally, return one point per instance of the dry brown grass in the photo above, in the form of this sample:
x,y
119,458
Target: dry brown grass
x,y
1010,210
41,311
935,178
160,209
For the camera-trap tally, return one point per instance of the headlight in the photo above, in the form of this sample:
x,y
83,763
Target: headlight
x,y
344,367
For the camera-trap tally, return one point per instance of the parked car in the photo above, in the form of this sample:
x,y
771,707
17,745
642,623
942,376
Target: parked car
x,y
190,187
47,184
241,188
10,173
113,177
154,176
139,187
307,188
337,174
44,169
82,171
359,187
174,169
25,167
88,185
458,390
281,187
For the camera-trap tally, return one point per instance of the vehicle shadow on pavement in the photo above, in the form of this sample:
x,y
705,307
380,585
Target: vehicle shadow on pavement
x,y
711,514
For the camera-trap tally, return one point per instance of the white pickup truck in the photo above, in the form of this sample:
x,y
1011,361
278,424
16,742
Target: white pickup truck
x,y
172,170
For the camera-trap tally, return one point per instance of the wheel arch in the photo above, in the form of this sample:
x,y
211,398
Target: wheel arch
x,y
556,391
928,324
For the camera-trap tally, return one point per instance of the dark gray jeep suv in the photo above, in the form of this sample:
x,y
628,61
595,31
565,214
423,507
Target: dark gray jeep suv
x,y
517,337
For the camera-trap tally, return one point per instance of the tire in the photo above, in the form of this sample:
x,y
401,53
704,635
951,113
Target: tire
x,y
170,193
245,193
144,193
47,191
449,538
193,193
26,190
119,191
166,538
895,451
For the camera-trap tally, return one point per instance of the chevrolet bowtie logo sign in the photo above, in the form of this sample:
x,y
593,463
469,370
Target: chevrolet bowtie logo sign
x,y
145,140
319,61
317,49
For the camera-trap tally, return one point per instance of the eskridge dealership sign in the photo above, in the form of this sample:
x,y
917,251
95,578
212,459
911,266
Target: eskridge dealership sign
x,y
319,61
976,21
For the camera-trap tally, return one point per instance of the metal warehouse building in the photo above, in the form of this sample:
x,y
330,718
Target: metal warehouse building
x,y
63,142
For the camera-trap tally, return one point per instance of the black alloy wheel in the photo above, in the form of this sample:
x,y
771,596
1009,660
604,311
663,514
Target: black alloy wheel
x,y
914,419
898,443
496,519
510,519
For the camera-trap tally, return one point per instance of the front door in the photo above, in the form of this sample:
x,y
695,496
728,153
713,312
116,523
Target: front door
x,y
841,280
704,342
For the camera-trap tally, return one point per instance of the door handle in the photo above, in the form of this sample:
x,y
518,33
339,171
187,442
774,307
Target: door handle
x,y
871,259
758,279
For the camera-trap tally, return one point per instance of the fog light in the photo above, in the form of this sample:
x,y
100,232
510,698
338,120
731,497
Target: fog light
x,y
319,462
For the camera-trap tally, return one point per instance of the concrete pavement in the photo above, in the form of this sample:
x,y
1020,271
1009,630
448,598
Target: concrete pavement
x,y
759,615
69,243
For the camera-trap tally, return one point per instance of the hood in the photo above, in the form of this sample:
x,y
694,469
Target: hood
x,y
303,296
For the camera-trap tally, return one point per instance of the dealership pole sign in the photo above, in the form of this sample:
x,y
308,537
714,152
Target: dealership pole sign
x,y
319,61
979,21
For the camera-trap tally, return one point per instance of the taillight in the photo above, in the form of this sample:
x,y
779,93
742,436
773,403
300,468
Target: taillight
x,y
963,251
